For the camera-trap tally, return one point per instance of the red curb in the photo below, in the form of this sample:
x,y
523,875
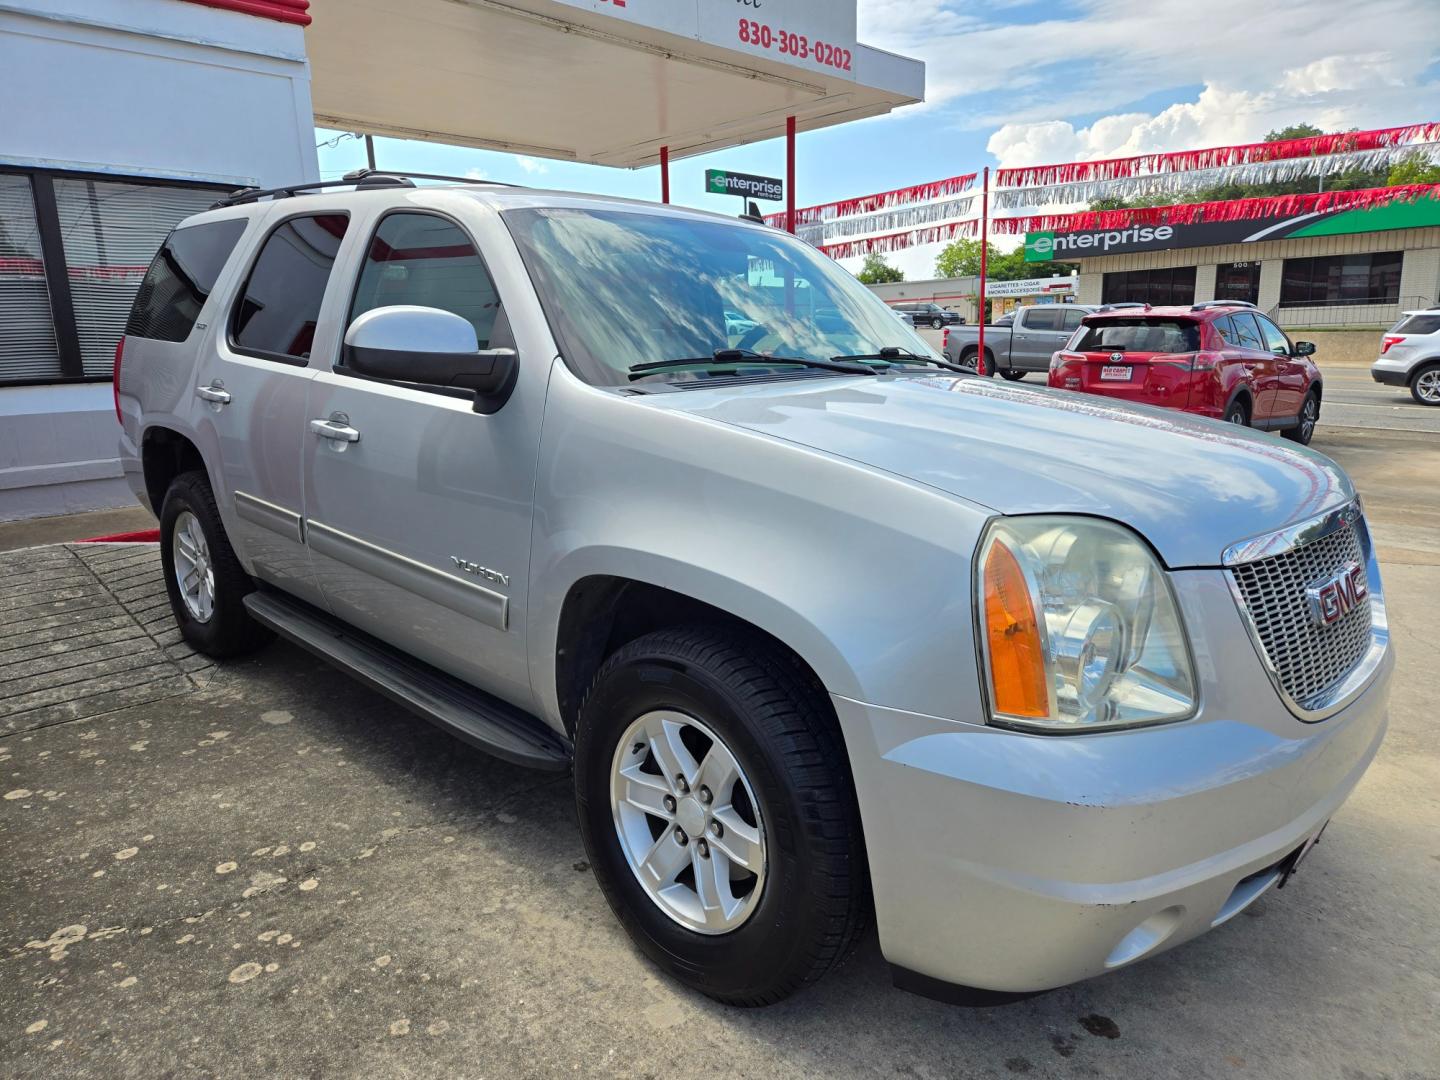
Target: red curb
x,y
144,536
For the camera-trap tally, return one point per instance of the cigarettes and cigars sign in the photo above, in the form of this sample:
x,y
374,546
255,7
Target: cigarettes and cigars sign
x,y
1089,243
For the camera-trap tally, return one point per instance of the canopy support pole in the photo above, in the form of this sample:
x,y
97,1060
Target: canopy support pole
x,y
984,248
665,174
790,173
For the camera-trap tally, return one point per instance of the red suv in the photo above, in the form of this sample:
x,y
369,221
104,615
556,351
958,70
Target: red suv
x,y
1220,358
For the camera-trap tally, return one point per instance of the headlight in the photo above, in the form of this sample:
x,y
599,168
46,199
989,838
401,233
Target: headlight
x,y
1078,628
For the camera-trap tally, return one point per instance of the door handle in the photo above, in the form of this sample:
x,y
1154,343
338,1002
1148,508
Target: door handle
x,y
335,431
215,394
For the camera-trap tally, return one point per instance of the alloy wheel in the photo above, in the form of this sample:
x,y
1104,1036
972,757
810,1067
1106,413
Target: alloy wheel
x,y
1308,415
1427,386
688,822
193,571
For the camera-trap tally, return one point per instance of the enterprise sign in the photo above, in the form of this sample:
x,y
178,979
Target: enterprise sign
x,y
720,182
1044,246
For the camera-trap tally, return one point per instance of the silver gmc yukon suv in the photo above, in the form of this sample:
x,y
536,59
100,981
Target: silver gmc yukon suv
x,y
826,630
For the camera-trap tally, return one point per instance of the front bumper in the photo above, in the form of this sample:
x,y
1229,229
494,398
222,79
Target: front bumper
x,y
1391,372
1017,863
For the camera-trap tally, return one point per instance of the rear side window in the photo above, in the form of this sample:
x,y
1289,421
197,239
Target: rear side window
x,y
180,279
1072,319
1418,324
278,311
1244,334
1152,334
1043,319
427,260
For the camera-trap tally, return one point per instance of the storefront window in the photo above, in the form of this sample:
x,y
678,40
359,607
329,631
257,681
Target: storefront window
x,y
27,336
1371,278
1238,281
1171,285
73,251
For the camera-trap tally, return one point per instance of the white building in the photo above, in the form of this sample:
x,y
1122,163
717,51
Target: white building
x,y
119,119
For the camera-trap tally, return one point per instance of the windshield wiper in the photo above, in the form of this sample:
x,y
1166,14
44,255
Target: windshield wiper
x,y
897,356
728,357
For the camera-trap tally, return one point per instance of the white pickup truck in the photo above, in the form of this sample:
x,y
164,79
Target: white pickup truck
x,y
1022,345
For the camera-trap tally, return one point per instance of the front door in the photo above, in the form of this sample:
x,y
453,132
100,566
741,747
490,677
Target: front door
x,y
1037,334
419,508
253,383
1289,375
1258,361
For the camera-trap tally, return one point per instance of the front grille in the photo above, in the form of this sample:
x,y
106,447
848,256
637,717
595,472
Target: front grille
x,y
1309,658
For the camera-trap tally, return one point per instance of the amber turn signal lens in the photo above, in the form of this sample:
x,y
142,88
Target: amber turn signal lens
x,y
1017,658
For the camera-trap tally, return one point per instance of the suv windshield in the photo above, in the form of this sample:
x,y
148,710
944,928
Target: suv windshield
x,y
1150,334
623,288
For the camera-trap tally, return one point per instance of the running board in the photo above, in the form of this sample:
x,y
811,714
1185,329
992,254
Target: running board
x,y
480,719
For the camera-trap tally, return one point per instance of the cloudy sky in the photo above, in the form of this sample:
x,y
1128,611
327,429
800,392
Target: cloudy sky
x,y
1015,82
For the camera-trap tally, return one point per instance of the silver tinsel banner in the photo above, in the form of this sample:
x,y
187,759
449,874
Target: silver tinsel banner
x,y
1177,183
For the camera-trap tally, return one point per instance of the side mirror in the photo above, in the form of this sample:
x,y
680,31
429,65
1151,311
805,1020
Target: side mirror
x,y
430,347
1304,348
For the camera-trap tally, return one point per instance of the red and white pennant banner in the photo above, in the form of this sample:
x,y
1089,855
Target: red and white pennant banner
x,y
1177,183
885,200
1215,157
1229,210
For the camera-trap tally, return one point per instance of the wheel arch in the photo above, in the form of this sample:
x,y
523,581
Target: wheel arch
x,y
601,612
165,453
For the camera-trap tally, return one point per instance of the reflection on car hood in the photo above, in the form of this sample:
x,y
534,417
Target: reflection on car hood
x,y
1191,486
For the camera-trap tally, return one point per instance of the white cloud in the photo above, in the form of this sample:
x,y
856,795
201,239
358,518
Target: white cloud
x,y
533,166
477,174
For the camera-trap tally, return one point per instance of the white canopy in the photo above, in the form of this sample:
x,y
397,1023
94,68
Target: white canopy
x,y
603,81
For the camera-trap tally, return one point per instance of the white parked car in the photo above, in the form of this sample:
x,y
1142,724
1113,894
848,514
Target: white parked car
x,y
1410,356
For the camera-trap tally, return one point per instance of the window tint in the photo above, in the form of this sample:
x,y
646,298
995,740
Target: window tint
x,y
277,314
1043,319
1152,334
180,279
1247,335
1372,278
1072,319
428,261
1275,339
1166,286
1418,324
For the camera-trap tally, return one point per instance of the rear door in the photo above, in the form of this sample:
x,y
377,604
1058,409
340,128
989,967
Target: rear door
x,y
420,528
1038,332
252,382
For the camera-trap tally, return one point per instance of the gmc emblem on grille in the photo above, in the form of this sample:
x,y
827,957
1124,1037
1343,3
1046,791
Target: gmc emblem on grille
x,y
1334,598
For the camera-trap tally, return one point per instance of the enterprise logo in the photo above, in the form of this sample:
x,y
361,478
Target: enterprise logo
x,y
1041,247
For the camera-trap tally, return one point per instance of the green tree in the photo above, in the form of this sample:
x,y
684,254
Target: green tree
x,y
1414,170
1294,131
877,271
961,258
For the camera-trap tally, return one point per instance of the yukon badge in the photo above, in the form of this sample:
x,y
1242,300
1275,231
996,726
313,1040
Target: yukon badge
x,y
480,571
1335,597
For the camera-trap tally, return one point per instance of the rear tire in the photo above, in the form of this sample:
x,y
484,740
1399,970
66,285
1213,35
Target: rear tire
x,y
1012,374
1304,431
801,828
212,616
1237,412
968,359
1425,386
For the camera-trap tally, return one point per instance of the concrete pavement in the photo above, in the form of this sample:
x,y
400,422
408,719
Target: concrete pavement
x,y
261,869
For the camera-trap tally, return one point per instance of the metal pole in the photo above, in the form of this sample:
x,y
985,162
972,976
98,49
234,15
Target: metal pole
x,y
665,174
984,246
370,151
790,173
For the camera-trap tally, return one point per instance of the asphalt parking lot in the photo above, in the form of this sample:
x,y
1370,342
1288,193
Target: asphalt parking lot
x,y
261,869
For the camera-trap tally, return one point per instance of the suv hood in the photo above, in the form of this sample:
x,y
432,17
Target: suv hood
x,y
1190,486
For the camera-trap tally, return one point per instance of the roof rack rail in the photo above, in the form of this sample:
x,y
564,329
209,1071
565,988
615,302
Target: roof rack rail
x,y
1203,304
359,179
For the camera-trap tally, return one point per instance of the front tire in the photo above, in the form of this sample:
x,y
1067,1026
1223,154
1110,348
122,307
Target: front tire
x,y
204,579
1425,387
1304,431
936,323
1012,374
718,812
